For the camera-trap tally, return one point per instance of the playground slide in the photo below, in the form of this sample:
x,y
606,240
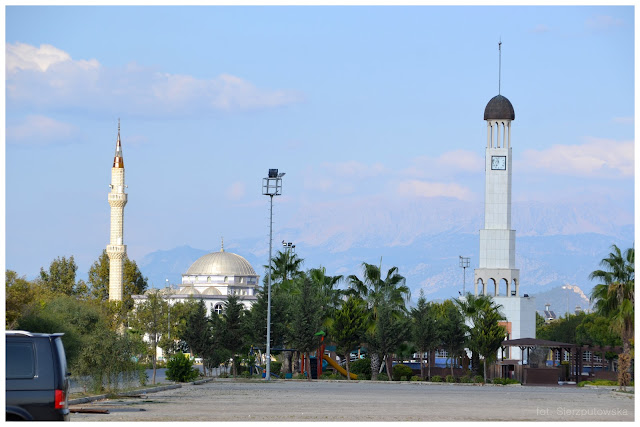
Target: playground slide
x,y
338,367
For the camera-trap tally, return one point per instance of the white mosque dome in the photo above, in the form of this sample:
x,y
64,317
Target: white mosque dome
x,y
211,291
189,290
221,264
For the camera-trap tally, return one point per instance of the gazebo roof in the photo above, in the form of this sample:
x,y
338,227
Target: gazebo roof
x,y
534,342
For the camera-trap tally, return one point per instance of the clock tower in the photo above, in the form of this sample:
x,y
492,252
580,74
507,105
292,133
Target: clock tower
x,y
497,275
497,239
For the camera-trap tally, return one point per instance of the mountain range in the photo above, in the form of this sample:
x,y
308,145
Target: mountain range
x,y
556,244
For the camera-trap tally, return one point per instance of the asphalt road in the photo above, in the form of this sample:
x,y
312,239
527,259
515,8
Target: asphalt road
x,y
280,400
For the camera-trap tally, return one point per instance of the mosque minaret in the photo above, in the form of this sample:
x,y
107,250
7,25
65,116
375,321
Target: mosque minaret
x,y
116,250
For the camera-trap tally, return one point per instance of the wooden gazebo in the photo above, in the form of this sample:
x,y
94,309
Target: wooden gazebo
x,y
546,375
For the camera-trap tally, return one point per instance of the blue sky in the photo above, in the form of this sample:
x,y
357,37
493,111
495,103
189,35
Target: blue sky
x,y
355,104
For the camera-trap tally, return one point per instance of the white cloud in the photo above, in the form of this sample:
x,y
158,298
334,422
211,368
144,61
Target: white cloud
x,y
40,130
541,28
236,191
416,188
447,164
596,158
354,169
20,56
624,120
603,22
49,78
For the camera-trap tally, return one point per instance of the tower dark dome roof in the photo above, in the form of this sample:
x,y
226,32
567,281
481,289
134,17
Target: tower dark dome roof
x,y
499,108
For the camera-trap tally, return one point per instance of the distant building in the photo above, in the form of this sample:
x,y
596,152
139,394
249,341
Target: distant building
x,y
212,278
548,314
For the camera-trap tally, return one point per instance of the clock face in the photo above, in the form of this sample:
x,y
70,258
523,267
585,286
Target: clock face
x,y
499,163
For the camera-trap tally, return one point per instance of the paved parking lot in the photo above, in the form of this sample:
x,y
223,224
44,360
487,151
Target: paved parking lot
x,y
279,400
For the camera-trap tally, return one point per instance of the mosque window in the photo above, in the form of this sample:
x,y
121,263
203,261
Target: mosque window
x,y
209,279
218,308
226,279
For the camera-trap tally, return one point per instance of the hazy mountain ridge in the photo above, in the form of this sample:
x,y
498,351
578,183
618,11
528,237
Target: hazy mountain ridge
x,y
424,239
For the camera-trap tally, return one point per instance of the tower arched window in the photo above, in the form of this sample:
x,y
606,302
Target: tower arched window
x,y
209,279
226,279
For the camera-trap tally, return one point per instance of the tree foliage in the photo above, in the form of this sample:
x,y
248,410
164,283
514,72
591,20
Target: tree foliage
x,y
150,319
134,283
424,329
61,278
348,327
19,295
306,320
389,294
452,329
234,329
614,299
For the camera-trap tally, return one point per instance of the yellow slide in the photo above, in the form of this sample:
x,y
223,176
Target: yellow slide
x,y
338,367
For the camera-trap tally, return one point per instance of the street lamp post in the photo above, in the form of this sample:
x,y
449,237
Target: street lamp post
x,y
271,186
464,264
168,314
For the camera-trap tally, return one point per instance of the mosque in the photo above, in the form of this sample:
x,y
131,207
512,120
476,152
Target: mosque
x,y
211,278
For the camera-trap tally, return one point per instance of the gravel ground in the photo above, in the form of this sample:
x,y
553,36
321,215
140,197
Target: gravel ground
x,y
238,400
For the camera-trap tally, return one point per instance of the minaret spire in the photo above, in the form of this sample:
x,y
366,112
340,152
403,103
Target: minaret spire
x,y
499,63
118,160
222,245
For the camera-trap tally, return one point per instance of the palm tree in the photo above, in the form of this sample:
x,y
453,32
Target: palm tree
x,y
285,266
472,307
330,295
389,295
614,299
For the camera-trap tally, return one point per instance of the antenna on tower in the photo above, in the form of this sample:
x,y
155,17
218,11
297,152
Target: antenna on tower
x,y
499,63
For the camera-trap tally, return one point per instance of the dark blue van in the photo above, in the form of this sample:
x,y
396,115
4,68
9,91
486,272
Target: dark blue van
x,y
37,381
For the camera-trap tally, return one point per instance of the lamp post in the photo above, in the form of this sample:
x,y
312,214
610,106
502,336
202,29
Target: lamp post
x,y
464,264
271,186
168,314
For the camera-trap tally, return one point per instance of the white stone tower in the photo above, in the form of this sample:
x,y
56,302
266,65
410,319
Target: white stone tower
x,y
497,274
497,239
116,250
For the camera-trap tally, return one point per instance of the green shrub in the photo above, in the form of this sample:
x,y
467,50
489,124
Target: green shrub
x,y
415,378
299,377
504,381
330,376
383,377
362,368
276,367
450,379
465,379
400,370
478,379
180,368
436,379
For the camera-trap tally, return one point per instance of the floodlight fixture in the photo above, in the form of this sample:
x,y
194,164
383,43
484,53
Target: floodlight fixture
x,y
464,264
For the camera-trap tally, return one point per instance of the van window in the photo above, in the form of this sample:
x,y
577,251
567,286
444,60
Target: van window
x,y
20,360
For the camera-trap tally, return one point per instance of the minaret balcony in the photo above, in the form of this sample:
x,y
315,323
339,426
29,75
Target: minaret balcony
x,y
117,199
116,251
